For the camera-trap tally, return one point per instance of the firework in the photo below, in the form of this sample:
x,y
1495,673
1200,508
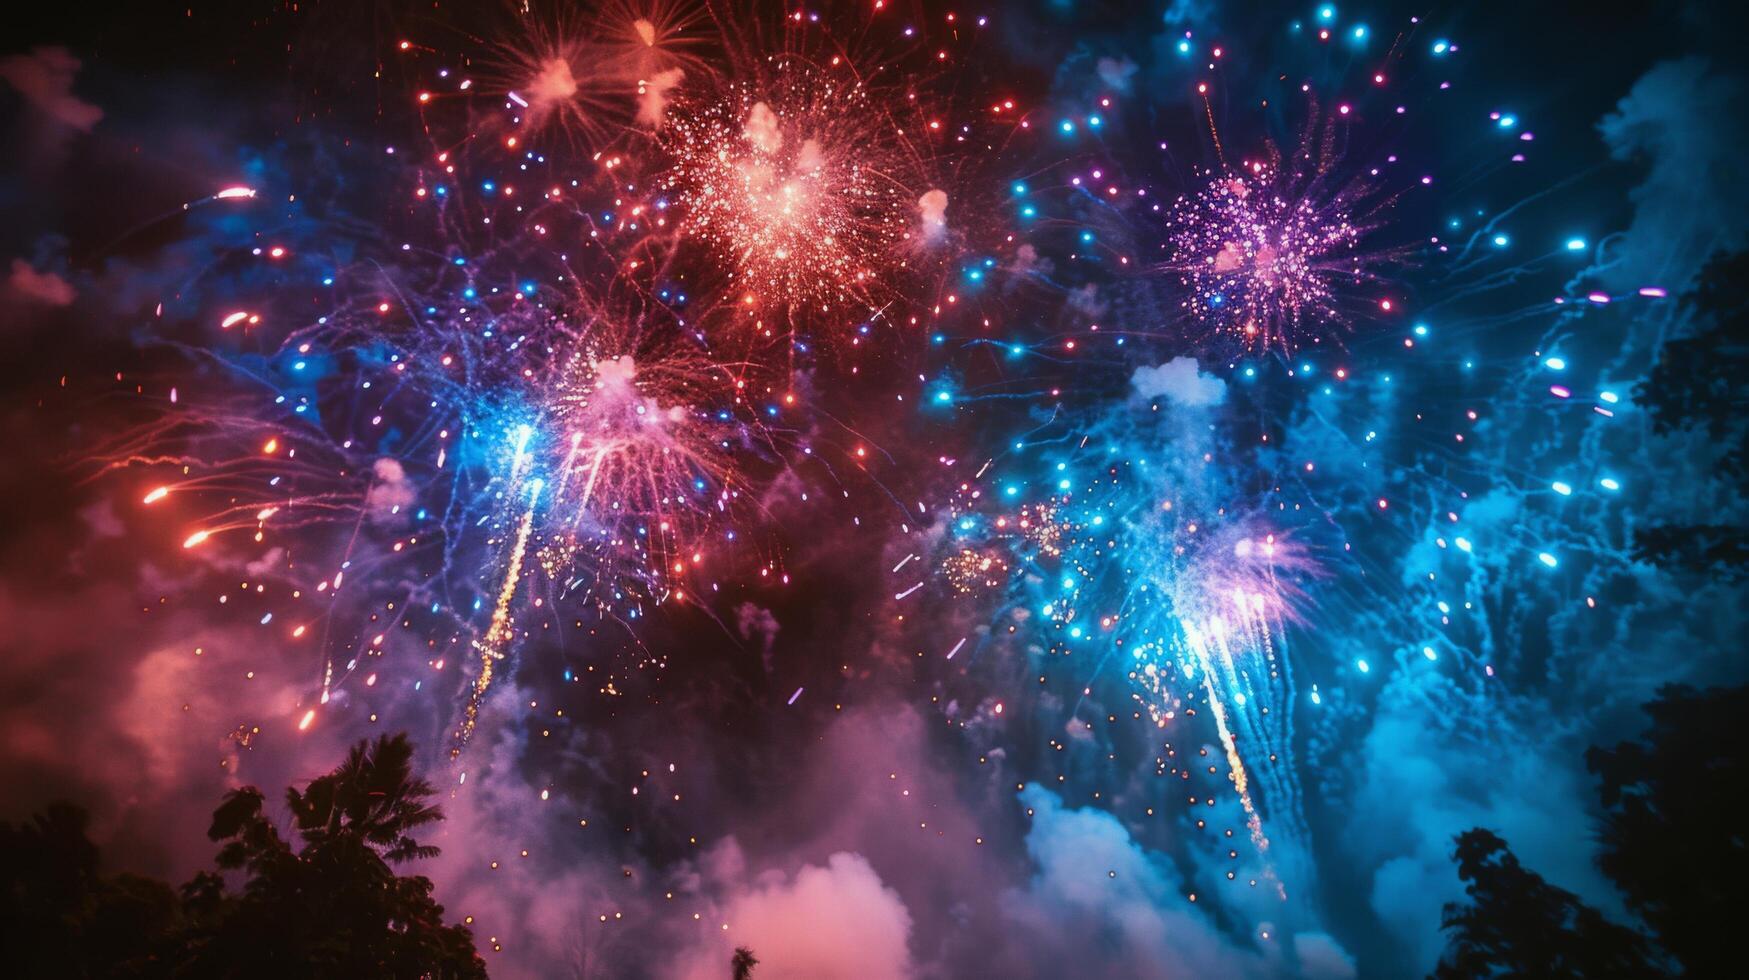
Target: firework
x,y
661,44
971,570
541,392
803,184
1142,557
1277,250
638,424
1228,597
561,79
582,440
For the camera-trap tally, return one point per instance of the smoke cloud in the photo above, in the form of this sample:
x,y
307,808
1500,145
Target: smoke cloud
x,y
1180,382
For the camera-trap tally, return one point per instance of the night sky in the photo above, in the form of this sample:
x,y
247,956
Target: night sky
x,y
1040,489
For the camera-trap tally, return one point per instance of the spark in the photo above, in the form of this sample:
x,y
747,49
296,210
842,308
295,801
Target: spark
x,y
1276,249
500,632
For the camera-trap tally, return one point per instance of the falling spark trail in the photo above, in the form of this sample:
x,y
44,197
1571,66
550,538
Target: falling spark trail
x,y
1235,763
1241,783
500,632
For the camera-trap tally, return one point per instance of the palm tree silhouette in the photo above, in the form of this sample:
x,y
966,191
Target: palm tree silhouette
x,y
334,905
373,796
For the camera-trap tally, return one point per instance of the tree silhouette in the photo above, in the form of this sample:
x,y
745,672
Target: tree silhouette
x,y
1721,549
743,963
60,917
331,907
1697,383
1518,925
335,907
372,796
1697,380
1673,837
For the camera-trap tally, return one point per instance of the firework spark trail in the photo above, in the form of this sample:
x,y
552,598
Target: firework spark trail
x,y
501,632
1230,650
1275,730
1217,707
1250,605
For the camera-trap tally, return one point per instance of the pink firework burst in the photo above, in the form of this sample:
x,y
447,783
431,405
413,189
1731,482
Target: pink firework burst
x,y
1277,250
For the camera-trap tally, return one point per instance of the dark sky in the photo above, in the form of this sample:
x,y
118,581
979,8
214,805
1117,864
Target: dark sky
x,y
1010,810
